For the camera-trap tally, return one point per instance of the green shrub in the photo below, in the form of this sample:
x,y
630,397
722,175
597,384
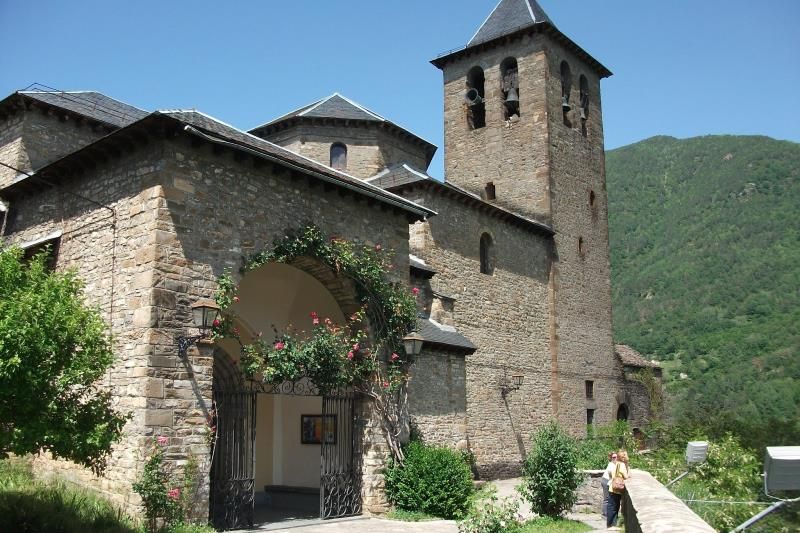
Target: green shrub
x,y
491,515
593,450
550,474
432,480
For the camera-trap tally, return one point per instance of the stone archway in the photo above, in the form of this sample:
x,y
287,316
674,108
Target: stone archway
x,y
622,412
256,458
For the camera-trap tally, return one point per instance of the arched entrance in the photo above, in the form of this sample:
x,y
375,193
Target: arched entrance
x,y
283,452
622,412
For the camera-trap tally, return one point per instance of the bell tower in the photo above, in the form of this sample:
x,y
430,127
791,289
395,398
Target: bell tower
x,y
523,129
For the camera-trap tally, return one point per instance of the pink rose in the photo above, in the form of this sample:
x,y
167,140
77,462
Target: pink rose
x,y
174,494
395,358
314,318
355,347
350,355
236,331
415,291
162,440
377,247
236,299
216,323
279,345
385,384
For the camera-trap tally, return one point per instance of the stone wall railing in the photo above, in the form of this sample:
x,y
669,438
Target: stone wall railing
x,y
649,507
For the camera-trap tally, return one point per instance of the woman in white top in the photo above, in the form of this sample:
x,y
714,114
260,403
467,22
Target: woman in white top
x,y
604,481
615,495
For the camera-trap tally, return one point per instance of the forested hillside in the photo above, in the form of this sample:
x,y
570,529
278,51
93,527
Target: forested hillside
x,y
705,257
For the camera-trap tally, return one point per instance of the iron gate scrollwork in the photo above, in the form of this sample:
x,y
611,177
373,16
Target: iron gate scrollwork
x,y
340,483
233,454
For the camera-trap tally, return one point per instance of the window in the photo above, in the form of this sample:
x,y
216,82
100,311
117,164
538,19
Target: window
x,y
510,87
584,88
581,247
489,191
476,105
339,156
589,417
49,246
566,89
487,254
589,390
591,199
622,412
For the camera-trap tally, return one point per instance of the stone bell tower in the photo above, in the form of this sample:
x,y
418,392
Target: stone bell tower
x,y
523,129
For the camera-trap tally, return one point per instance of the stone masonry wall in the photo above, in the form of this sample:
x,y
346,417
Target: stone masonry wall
x,y
117,269
512,155
48,136
505,315
437,396
12,151
581,281
369,149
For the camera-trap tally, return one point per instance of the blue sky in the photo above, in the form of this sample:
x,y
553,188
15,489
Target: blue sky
x,y
681,68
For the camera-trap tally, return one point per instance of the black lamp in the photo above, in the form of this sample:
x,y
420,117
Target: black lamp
x,y
413,343
204,313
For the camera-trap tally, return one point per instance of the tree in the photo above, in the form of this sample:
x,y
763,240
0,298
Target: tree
x,y
550,472
53,349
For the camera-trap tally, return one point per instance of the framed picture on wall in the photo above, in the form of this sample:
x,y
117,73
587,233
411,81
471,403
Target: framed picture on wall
x,y
316,430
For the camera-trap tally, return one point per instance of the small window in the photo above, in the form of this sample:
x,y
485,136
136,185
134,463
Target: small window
x,y
566,89
475,98
590,417
622,412
581,247
339,156
487,255
584,88
591,198
489,191
510,88
589,390
49,247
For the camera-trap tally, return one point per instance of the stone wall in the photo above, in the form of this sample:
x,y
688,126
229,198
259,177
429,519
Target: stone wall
x,y
506,315
12,150
581,284
437,396
369,149
649,507
512,155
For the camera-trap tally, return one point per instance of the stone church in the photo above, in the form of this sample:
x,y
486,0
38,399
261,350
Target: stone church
x,y
509,253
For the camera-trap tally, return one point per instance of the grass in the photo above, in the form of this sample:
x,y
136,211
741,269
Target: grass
x,y
31,506
28,505
554,525
410,516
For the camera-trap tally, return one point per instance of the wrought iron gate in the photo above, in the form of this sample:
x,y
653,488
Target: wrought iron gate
x,y
340,483
233,466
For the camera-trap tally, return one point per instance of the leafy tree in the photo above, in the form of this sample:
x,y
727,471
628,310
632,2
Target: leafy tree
x,y
53,349
550,472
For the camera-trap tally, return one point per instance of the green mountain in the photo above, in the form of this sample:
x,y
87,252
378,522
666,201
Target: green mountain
x,y
705,260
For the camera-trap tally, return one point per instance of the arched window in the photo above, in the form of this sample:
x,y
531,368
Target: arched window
x,y
566,89
510,87
584,87
487,254
339,156
475,98
622,412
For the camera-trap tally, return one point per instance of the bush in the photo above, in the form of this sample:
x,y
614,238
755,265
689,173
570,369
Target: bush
x,y
550,474
492,516
593,450
432,480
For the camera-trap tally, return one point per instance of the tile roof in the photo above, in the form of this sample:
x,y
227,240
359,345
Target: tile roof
x,y
436,333
402,174
89,104
507,17
631,357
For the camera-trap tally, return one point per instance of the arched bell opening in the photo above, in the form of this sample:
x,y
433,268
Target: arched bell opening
x,y
272,442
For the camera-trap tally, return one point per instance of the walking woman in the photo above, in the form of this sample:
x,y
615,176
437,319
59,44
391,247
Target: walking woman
x,y
604,481
616,488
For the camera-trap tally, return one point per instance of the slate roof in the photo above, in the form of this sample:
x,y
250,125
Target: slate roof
x,y
507,17
420,266
397,176
631,357
436,333
338,107
202,125
90,104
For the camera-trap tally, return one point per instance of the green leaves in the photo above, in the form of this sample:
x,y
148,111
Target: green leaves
x,y
550,472
53,349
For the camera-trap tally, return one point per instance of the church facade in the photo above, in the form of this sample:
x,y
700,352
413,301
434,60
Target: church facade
x,y
509,253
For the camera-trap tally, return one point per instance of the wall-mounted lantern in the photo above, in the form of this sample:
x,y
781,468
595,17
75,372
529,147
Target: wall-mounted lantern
x,y
508,386
413,343
204,313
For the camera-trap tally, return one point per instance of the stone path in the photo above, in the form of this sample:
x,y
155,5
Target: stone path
x,y
505,488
